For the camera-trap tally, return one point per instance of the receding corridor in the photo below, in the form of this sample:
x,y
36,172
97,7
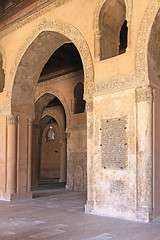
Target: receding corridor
x,y
59,214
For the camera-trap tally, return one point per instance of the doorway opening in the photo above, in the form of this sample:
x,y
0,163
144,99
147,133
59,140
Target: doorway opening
x,y
58,159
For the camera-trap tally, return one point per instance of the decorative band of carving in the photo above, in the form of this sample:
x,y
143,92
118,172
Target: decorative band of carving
x,y
89,107
116,84
12,120
144,94
31,15
30,122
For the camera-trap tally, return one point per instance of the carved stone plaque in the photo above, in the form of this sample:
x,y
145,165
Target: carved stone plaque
x,y
114,143
117,186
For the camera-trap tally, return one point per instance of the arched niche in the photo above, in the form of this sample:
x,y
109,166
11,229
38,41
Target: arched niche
x,y
111,22
45,39
112,18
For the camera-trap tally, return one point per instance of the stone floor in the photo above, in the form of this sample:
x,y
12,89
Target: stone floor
x,y
57,214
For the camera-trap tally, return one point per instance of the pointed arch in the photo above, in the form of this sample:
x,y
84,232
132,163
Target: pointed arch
x,y
46,29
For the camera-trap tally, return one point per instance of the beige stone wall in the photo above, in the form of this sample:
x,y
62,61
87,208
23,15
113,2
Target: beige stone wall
x,y
113,184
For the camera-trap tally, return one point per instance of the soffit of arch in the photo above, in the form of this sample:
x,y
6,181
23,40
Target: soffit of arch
x,y
129,10
141,62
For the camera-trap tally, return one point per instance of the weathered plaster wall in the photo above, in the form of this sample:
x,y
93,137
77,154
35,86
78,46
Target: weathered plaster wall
x,y
115,188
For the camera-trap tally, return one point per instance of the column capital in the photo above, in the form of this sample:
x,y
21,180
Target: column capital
x,y
144,94
12,120
97,34
29,121
89,106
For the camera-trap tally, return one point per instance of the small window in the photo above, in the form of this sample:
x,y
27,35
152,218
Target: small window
x,y
123,38
50,136
79,103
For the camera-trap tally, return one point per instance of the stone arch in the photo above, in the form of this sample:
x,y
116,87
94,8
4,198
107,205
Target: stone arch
x,y
55,116
63,101
129,10
141,60
97,30
59,29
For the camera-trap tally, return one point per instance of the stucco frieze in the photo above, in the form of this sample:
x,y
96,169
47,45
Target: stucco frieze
x,y
116,84
61,78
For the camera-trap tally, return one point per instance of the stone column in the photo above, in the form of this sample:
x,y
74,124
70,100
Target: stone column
x,y
35,152
97,46
29,158
11,186
63,146
144,99
91,183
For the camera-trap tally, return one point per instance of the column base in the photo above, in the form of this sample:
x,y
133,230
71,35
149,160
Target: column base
x,y
18,196
144,216
89,207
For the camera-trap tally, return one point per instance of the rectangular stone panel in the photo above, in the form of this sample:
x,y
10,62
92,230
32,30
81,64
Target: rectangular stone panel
x,y
114,143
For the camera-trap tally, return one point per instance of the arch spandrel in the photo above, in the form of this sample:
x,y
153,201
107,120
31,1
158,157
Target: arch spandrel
x,y
67,31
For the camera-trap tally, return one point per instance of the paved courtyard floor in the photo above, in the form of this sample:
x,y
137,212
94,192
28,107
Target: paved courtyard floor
x,y
58,214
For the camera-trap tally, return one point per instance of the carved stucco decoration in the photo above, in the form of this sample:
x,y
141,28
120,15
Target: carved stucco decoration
x,y
29,122
57,94
78,40
78,74
116,84
141,63
129,10
144,94
48,6
12,120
